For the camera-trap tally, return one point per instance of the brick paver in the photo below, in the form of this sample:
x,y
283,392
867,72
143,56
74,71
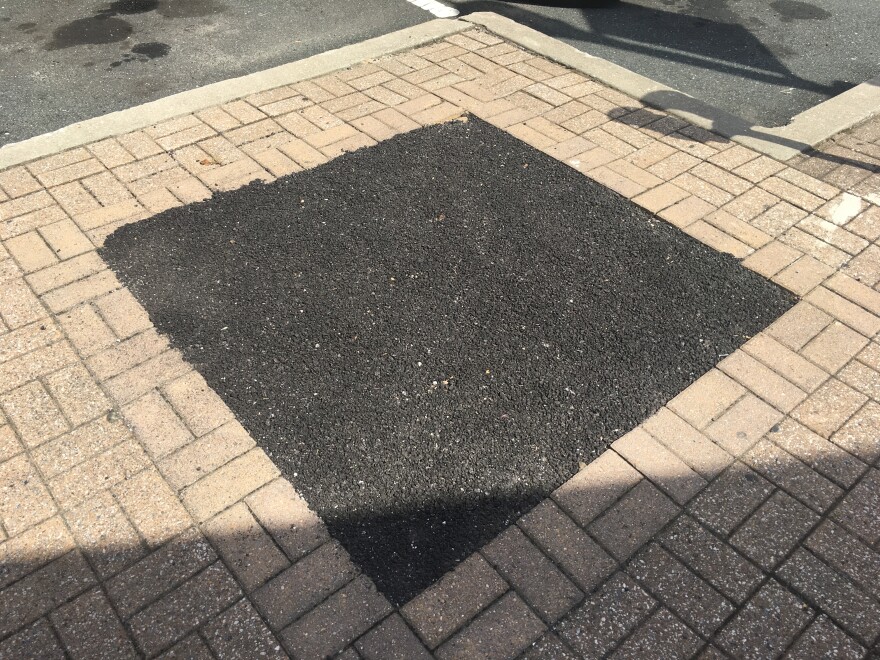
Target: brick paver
x,y
138,518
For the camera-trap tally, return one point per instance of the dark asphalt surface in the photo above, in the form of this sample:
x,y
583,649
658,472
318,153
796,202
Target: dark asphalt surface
x,y
427,361
62,61
763,60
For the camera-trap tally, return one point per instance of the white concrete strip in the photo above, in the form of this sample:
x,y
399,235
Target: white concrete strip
x,y
805,130
438,9
132,119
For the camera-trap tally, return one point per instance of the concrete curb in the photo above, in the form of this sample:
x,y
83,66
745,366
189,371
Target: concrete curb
x,y
132,119
806,130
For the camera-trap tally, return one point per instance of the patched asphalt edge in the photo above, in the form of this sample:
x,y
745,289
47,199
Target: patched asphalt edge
x,y
147,114
805,130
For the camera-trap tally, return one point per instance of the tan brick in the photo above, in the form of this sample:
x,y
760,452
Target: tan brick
x,y
98,473
105,535
763,381
774,530
9,444
304,585
22,369
568,545
751,204
34,414
24,500
206,454
860,435
71,172
78,395
856,611
234,175
796,478
391,640
18,305
846,311
65,239
24,205
732,158
830,233
716,562
185,137
759,169
156,425
815,247
803,275
706,398
66,272
110,152
338,621
792,193
687,211
703,189
240,633
123,313
784,361
678,588
245,547
33,549
807,182
86,329
834,346
661,197
718,240
743,424
817,452
164,569
617,182
859,294
61,454
141,379
660,465
107,189
89,628
829,407
127,354
26,339
286,516
443,608
704,456
595,487
606,617
847,554
228,484
31,251
799,325
353,143
152,507
17,181
503,630
28,221
42,591
532,574
184,609
631,522
71,295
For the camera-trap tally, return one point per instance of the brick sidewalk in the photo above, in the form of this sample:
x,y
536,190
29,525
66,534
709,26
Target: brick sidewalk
x,y
137,517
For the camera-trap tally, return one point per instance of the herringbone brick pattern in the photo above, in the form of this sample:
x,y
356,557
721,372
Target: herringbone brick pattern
x,y
138,518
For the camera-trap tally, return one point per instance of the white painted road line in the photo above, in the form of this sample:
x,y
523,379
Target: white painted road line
x,y
437,8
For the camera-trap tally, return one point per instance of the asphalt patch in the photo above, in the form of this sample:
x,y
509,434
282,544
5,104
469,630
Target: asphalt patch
x,y
430,335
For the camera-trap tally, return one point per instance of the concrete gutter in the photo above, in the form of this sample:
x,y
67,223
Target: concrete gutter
x,y
132,119
806,130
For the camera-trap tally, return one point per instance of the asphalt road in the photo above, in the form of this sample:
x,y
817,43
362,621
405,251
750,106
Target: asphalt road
x,y
764,60
62,61
65,61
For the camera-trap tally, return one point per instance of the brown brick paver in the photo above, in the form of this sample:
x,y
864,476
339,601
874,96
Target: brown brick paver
x,y
138,518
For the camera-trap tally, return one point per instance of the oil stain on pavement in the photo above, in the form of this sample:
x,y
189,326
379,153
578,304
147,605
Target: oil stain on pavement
x,y
430,335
